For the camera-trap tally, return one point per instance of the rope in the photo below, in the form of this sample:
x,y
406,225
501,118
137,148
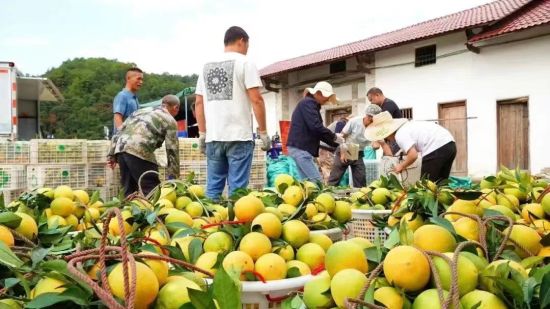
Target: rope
x,y
482,229
352,303
122,252
21,237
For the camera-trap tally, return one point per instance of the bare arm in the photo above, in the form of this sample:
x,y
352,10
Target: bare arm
x,y
199,113
412,155
118,120
258,106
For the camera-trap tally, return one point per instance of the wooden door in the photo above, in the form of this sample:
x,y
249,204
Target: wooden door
x,y
452,116
513,133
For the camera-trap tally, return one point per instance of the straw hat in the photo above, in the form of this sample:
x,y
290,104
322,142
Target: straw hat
x,y
382,126
326,91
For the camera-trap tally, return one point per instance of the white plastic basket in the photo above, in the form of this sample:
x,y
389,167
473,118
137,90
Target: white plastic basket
x,y
407,177
258,175
189,150
335,234
100,175
51,176
15,152
13,177
11,195
361,225
259,295
372,170
97,150
58,151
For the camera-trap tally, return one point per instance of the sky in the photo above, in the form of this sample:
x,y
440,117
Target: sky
x,y
178,36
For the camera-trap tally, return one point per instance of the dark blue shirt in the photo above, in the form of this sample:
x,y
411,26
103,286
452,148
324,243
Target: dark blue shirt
x,y
307,129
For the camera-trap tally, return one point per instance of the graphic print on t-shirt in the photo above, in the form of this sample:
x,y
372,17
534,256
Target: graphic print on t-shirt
x,y
218,78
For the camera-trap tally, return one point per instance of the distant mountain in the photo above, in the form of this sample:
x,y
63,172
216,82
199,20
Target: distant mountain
x,y
89,86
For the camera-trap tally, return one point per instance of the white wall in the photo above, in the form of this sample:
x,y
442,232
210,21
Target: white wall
x,y
499,72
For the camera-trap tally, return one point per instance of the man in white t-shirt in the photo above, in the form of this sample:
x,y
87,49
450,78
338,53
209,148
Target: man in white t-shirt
x,y
228,90
435,143
353,132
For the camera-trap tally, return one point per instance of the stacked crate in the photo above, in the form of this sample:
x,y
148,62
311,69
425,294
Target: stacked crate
x,y
101,177
57,162
258,172
14,156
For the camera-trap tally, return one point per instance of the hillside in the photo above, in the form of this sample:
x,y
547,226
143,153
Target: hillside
x,y
89,86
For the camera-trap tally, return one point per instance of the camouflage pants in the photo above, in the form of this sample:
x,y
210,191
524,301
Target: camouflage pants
x,y
325,160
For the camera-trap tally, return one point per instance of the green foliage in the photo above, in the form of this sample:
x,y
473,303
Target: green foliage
x,y
89,86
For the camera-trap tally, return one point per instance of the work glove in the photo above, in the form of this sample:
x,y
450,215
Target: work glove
x,y
339,138
266,142
202,142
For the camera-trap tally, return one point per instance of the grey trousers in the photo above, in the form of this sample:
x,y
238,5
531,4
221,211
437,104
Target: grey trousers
x,y
358,173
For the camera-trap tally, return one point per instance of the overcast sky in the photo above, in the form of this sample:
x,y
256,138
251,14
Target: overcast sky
x,y
177,36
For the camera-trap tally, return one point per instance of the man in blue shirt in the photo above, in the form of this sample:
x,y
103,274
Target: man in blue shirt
x,y
126,101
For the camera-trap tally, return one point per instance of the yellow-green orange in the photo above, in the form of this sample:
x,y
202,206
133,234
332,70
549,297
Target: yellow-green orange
x,y
6,236
269,224
505,211
62,206
178,216
296,233
248,207
168,193
159,267
343,255
281,179
380,196
411,223
27,227
362,242
55,221
238,262
286,252
255,244
508,200
147,285
287,209
196,190
311,254
389,297
271,266
325,203
482,300
302,268
532,212
467,228
194,209
321,239
428,299
527,237
316,292
342,212
465,207
218,242
81,196
48,285
175,294
435,238
182,201
207,261
407,268
495,269
293,195
467,273
63,191
346,283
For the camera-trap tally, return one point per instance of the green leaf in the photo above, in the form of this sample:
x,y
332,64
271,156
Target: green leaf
x,y
392,240
195,250
293,272
406,236
71,294
10,219
38,255
94,198
531,261
443,223
374,254
11,282
8,258
468,195
200,299
176,226
545,291
227,290
511,287
528,288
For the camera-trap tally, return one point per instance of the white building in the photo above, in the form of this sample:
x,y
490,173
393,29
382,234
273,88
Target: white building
x,y
484,73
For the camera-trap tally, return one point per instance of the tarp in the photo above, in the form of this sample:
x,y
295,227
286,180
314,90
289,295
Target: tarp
x,y
185,92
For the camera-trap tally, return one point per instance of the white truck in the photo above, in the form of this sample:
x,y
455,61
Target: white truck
x,y
20,98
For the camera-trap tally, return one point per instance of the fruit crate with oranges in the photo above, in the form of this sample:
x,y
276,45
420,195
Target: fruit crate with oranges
x,y
196,167
97,150
14,152
259,154
100,175
189,150
72,151
11,195
13,177
51,176
362,226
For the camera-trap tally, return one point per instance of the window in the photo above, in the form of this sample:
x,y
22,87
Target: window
x,y
338,66
424,55
407,113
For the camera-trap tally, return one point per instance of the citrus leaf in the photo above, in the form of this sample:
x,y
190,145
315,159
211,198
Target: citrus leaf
x,y
71,294
8,258
444,223
468,195
545,291
392,240
406,236
226,290
293,272
195,250
10,219
38,255
200,299
531,261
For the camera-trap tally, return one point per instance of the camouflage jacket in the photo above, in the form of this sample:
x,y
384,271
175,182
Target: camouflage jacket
x,y
145,131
